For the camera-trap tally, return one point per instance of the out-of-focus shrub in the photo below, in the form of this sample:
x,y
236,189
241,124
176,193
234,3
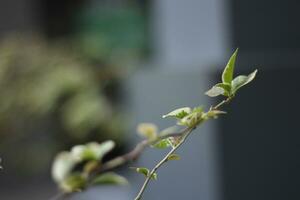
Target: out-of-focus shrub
x,y
113,33
51,98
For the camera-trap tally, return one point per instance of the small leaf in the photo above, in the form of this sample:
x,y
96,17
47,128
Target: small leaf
x,y
110,178
215,91
162,144
179,113
154,176
73,183
198,109
143,170
92,151
174,141
194,118
229,69
226,87
147,130
62,166
102,149
242,80
174,157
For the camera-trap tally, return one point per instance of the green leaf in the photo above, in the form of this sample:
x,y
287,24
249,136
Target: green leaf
x,y
145,172
73,183
229,69
179,113
174,157
174,141
241,81
110,178
162,144
92,151
62,166
198,109
226,87
154,176
194,118
147,130
102,149
142,170
215,91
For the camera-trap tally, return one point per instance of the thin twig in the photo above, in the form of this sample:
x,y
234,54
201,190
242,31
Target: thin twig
x,y
186,133
134,154
160,163
222,103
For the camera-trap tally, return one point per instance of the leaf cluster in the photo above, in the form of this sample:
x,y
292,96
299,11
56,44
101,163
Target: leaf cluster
x,y
89,156
229,85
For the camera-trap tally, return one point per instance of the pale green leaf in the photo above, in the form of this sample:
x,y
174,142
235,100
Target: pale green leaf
x,y
92,151
194,118
154,176
174,141
179,113
215,91
142,170
147,130
73,183
227,75
62,166
103,148
110,178
162,144
241,81
198,109
174,157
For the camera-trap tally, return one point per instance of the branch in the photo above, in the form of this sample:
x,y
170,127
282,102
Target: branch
x,y
185,134
132,155
160,163
136,152
225,101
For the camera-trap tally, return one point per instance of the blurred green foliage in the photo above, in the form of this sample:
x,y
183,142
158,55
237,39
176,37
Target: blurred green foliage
x,y
58,93
114,33
52,97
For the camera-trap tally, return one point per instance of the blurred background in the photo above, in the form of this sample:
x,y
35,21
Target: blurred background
x,y
90,70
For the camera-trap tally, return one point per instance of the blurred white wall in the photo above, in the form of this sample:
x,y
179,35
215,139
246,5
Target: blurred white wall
x,y
189,34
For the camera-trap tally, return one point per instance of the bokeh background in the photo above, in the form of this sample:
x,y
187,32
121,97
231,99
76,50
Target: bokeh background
x,y
90,70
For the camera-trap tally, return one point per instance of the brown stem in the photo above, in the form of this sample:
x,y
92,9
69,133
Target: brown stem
x,y
132,155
